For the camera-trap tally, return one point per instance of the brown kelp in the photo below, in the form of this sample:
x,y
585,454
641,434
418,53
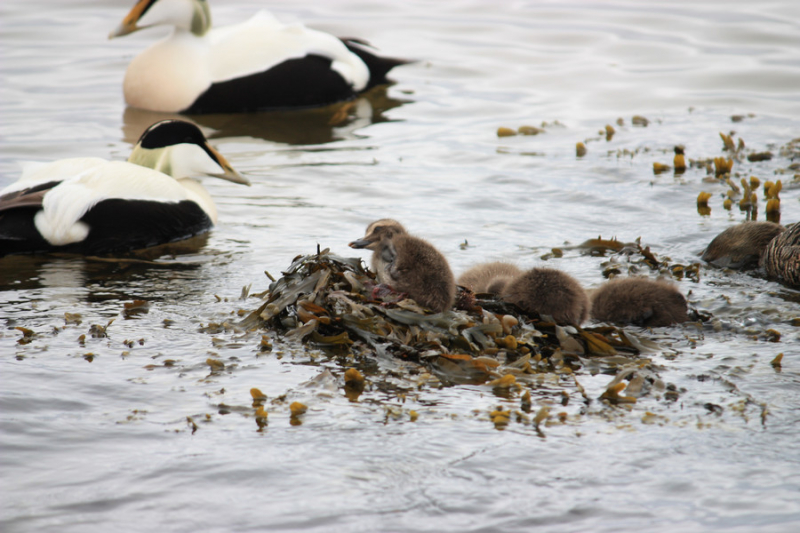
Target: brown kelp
x,y
334,303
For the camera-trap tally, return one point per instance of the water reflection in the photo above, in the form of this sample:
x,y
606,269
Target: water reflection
x,y
297,127
56,271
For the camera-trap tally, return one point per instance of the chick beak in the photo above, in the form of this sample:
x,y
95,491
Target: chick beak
x,y
364,242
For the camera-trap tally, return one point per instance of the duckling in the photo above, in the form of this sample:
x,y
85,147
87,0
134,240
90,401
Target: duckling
x,y
781,258
547,291
257,65
409,264
489,277
93,206
741,246
639,301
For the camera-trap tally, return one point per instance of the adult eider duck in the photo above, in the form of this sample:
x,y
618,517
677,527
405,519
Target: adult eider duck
x,y
257,65
640,302
489,277
741,246
781,257
92,206
547,291
409,265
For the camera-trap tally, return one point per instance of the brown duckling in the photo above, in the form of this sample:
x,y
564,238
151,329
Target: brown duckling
x,y
489,277
409,264
781,258
741,246
639,301
547,291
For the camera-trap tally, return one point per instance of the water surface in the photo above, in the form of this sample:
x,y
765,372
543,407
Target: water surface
x,y
134,431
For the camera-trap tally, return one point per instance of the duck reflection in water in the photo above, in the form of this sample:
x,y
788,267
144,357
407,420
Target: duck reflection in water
x,y
321,125
64,271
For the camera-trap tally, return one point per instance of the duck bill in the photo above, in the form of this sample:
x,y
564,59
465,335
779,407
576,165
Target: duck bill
x,y
229,173
361,243
129,23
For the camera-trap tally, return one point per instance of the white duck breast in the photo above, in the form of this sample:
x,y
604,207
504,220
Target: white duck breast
x,y
256,65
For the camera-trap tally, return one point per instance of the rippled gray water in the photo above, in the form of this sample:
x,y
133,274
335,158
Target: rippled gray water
x,y
95,434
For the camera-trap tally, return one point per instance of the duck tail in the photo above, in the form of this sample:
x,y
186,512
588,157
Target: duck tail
x,y
378,66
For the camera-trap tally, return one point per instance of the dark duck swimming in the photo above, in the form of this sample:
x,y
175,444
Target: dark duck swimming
x,y
741,246
781,258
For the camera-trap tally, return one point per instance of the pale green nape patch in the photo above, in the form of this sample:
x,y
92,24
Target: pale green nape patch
x,y
201,18
157,159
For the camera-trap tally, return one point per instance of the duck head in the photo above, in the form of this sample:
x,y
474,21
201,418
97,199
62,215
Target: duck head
x,y
180,149
380,231
188,15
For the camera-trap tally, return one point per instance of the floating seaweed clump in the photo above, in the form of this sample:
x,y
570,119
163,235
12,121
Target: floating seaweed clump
x,y
333,302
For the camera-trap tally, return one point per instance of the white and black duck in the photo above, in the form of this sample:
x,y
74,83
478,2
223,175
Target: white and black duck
x,y
257,65
92,206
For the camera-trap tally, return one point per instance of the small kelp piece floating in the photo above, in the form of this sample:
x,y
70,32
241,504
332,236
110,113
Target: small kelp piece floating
x,y
600,246
136,307
72,318
27,335
100,332
529,130
702,203
772,191
612,395
727,141
722,166
215,364
580,149
500,418
759,156
297,409
354,383
679,161
258,397
261,418
462,368
660,168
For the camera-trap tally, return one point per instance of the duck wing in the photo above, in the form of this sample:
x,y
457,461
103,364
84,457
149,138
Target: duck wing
x,y
262,42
